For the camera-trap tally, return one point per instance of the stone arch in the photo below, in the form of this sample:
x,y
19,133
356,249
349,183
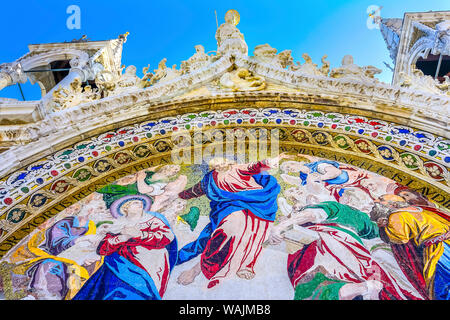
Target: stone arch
x,y
420,49
32,61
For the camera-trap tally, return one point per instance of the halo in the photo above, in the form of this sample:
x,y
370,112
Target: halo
x,y
117,204
400,189
233,15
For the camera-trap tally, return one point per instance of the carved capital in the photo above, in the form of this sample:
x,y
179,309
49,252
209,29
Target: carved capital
x,y
11,73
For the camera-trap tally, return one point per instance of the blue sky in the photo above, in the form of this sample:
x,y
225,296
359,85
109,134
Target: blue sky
x,y
172,28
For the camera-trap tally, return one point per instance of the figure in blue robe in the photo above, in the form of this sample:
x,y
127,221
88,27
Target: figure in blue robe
x,y
120,278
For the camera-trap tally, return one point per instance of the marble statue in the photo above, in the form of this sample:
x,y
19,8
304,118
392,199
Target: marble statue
x,y
228,37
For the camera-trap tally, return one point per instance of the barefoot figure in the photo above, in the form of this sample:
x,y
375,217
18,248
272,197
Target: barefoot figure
x,y
332,262
138,259
243,204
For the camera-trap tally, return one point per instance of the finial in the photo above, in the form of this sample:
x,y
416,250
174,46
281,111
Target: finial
x,y
124,36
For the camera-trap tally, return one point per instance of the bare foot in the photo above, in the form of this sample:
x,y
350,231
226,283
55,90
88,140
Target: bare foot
x,y
188,276
245,274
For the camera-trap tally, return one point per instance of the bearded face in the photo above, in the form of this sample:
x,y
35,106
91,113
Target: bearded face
x,y
379,211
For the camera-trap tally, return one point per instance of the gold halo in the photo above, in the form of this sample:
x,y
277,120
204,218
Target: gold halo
x,y
233,16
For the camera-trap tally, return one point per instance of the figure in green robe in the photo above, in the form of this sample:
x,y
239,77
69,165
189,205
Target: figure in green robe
x,y
332,262
146,182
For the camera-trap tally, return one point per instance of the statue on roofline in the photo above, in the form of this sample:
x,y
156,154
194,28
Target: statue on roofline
x,y
228,37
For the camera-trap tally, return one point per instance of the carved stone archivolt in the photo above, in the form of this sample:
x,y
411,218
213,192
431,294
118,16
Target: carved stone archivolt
x,y
75,172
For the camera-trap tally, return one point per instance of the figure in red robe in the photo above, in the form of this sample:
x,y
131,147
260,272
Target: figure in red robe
x,y
243,202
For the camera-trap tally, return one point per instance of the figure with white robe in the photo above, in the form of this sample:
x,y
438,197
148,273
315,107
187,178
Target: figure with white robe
x,y
243,203
332,176
334,264
138,260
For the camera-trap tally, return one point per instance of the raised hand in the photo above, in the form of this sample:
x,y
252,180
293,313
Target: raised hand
x,y
131,231
275,236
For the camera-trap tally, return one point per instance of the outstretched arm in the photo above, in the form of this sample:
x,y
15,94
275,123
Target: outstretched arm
x,y
141,185
284,206
296,181
156,234
192,192
266,164
177,185
274,162
171,192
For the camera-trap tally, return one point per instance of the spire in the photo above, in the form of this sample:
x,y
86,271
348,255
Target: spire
x,y
391,29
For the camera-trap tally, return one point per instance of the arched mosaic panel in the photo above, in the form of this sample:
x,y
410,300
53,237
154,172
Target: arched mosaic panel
x,y
67,256
81,190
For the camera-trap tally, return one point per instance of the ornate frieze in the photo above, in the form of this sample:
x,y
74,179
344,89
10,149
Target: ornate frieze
x,y
428,107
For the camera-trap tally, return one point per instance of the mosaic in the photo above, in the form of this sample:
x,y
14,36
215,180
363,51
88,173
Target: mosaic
x,y
291,227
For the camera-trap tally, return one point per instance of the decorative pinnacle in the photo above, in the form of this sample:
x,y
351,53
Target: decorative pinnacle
x,y
124,36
